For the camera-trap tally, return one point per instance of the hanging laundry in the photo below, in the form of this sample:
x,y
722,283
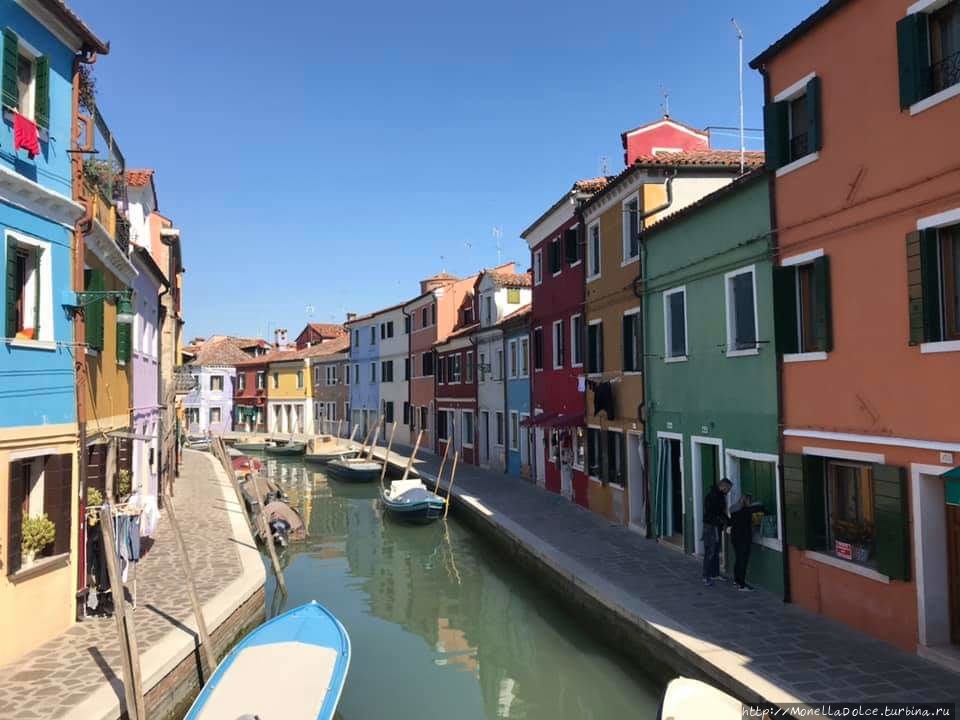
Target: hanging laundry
x,y
149,512
25,136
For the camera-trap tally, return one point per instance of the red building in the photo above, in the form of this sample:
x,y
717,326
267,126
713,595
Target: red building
x,y
317,333
662,136
557,338
250,396
456,388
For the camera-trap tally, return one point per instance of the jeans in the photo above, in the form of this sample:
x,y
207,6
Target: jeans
x,y
742,551
711,551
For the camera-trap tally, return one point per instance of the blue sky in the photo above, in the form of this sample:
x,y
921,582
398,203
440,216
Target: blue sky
x,y
330,154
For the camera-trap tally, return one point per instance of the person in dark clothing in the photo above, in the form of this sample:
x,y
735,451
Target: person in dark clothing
x,y
715,519
741,536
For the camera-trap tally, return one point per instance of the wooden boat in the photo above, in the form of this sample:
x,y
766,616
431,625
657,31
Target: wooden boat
x,y
290,448
411,501
197,442
355,469
293,667
687,699
334,453
253,445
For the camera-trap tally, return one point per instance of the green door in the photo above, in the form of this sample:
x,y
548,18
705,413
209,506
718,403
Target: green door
x,y
709,472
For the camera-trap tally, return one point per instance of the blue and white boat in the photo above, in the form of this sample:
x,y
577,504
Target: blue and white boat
x,y
411,501
292,667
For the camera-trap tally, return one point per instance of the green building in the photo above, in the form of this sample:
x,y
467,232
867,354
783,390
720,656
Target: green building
x,y
711,368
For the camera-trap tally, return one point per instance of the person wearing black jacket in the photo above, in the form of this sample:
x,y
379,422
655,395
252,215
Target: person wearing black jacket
x,y
741,535
715,519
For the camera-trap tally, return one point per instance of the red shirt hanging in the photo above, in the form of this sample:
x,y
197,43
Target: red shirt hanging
x,y
25,135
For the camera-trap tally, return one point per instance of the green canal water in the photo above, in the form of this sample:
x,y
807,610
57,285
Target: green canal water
x,y
441,625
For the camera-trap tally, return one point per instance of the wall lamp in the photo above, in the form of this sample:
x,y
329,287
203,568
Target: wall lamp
x,y
123,299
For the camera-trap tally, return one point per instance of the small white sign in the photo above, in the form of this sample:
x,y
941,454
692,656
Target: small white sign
x,y
705,429
669,426
946,458
581,383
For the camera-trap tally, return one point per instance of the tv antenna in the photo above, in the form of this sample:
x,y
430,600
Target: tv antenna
x,y
665,105
497,233
603,166
310,310
743,147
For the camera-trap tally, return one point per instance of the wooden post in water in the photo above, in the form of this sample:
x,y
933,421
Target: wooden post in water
x,y
132,691
220,450
363,445
383,470
352,435
406,470
453,472
267,537
339,425
376,434
205,645
446,451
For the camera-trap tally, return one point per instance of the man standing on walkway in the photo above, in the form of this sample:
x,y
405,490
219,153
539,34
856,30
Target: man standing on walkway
x,y
715,519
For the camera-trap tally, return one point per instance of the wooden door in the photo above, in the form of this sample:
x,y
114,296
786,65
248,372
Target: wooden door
x,y
953,565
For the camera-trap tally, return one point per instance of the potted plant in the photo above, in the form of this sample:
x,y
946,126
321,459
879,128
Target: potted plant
x,y
94,497
88,89
843,537
38,533
123,484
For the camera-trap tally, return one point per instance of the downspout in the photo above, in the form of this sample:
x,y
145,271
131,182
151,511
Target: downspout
x,y
408,325
781,485
639,289
506,401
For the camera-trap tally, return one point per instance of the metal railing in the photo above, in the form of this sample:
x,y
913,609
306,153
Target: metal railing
x,y
946,72
799,146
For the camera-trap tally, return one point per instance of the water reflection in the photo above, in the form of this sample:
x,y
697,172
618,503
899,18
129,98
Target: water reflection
x,y
441,625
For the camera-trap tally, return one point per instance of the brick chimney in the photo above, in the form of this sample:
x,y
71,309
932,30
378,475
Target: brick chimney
x,y
280,338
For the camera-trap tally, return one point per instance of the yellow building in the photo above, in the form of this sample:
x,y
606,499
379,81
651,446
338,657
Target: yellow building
x,y
289,392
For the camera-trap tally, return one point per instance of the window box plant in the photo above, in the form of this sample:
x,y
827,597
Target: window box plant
x,y
38,533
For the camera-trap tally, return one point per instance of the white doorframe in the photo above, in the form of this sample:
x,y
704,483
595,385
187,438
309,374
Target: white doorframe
x,y
695,441
683,492
540,456
928,503
635,480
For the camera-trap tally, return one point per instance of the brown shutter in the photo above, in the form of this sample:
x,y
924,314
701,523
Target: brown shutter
x,y
14,517
58,498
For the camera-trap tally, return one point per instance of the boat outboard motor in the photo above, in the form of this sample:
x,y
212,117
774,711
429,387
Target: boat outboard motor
x,y
280,531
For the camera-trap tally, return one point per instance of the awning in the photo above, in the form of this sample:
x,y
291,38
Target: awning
x,y
538,420
568,420
952,487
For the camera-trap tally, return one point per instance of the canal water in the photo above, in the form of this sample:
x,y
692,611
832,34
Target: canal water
x,y
441,625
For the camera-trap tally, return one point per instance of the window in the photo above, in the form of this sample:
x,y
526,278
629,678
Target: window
x,y
38,485
346,412
241,381
276,380
928,45
316,374
373,372
538,348
92,312
389,329
406,324
513,296
801,295
299,379
576,340
426,361
468,428
632,342
441,425
571,245
488,316
934,292
484,369
406,413
514,431
424,417
261,379
741,304
193,418
469,367
792,124
558,353
454,368
29,293
214,415
514,357
595,347
537,267
356,373
524,357
443,364
406,368
373,334
594,453
29,90
386,371
675,323
500,429
331,374
579,447
356,338
423,317
468,314
758,479
593,251
346,374
616,459
499,360
383,330
387,412
433,314
631,229
556,256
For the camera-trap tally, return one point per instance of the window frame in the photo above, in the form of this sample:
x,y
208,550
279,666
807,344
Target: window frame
x,y
625,257
500,429
523,352
576,348
939,222
514,431
732,458
591,371
559,356
468,367
300,383
730,312
261,379
638,369
788,95
537,333
538,266
928,8
32,55
210,420
593,270
473,426
46,335
667,349
513,358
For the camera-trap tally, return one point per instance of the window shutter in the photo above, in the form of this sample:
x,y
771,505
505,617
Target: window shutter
x,y
930,277
914,58
814,109
123,343
775,134
11,56
815,487
891,519
915,287
58,497
11,291
570,245
42,102
822,308
795,501
627,321
785,309
14,519
93,311
37,253
600,346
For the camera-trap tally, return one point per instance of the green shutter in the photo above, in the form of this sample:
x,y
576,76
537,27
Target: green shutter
x,y
123,342
626,322
776,142
12,291
930,272
600,345
891,521
914,59
822,307
915,287
815,484
41,110
795,501
785,309
15,498
11,57
93,311
814,110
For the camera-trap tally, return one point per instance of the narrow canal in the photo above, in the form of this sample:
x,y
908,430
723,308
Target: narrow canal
x,y
441,627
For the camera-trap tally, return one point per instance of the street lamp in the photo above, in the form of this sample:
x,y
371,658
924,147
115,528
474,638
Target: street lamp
x,y
122,298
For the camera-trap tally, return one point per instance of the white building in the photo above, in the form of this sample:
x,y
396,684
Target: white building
x,y
394,373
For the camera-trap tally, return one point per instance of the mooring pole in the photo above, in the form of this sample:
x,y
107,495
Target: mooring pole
x,y
267,537
453,472
383,470
406,470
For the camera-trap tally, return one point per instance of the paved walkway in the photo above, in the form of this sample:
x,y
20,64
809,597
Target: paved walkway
x,y
747,640
61,677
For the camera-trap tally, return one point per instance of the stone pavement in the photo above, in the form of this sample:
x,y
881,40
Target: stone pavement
x,y
781,652
54,679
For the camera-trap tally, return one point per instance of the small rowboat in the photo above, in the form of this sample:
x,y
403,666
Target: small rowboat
x,y
411,501
322,458
357,470
291,448
253,446
687,699
292,667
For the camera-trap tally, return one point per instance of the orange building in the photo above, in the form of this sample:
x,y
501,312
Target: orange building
x,y
863,102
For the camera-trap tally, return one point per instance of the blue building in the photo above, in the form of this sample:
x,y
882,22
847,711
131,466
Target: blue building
x,y
38,397
516,340
365,372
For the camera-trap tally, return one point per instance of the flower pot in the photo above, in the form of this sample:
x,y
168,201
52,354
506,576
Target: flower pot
x,y
29,558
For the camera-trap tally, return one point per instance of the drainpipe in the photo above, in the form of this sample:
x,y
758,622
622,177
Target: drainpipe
x,y
638,289
408,323
775,248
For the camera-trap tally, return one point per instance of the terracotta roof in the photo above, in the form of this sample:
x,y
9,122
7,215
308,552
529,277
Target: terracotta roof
x,y
138,178
709,199
586,185
469,329
328,347
799,31
364,318
77,26
327,329
510,280
219,351
517,314
442,276
591,184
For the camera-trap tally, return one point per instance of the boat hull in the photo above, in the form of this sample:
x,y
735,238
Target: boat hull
x,y
324,458
417,505
289,450
305,652
354,472
250,447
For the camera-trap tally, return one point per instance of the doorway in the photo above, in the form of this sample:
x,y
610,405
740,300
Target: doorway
x,y
668,500
561,440
538,456
484,438
636,487
706,472
953,572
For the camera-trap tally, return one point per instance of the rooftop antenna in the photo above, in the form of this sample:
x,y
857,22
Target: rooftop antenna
x,y
443,267
603,166
310,310
665,105
743,147
497,233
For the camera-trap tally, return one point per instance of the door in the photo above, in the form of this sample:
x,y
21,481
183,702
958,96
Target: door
x,y
636,486
524,450
709,474
538,457
484,438
953,570
565,453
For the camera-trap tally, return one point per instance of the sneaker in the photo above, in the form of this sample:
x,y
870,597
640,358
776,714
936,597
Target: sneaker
x,y
708,582
744,588
721,578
